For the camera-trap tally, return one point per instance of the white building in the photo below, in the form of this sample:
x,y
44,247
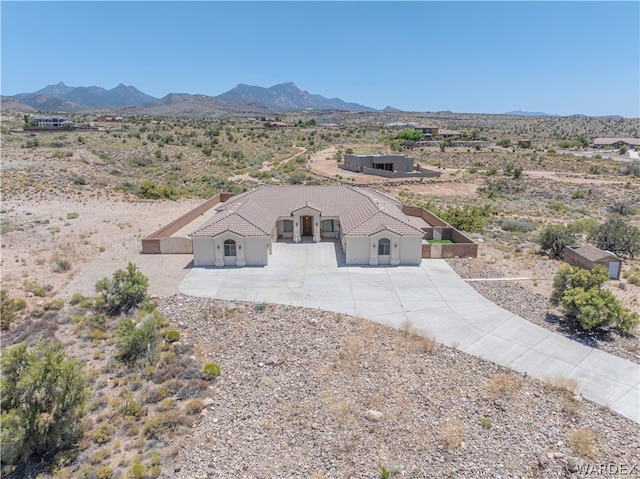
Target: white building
x,y
370,226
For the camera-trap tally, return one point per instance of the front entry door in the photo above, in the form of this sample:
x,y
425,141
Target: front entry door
x,y
307,226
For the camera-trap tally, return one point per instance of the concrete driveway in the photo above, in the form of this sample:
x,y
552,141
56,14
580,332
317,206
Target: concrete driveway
x,y
431,297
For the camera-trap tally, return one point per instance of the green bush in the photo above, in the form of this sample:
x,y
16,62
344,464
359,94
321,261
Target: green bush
x,y
104,433
8,309
72,215
410,134
579,292
125,290
138,343
469,218
61,266
617,236
521,226
554,238
211,370
43,397
172,336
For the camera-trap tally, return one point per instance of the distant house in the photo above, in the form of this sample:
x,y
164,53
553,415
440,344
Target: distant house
x,y
331,126
108,118
279,124
389,166
616,142
379,161
588,256
428,130
449,133
52,122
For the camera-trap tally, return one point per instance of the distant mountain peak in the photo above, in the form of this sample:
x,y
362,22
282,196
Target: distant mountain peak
x,y
286,96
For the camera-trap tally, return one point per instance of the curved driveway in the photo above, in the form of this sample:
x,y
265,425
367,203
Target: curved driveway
x,y
432,297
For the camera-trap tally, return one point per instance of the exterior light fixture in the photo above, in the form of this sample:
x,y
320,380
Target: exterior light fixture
x,y
218,246
374,246
395,245
239,246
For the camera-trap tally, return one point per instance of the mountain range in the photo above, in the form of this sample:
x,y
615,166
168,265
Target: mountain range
x,y
242,100
284,96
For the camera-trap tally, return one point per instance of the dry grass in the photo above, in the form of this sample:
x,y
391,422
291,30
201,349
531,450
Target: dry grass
x,y
502,384
585,442
562,383
452,434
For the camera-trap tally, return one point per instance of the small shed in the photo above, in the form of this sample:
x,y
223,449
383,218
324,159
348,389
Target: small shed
x,y
588,256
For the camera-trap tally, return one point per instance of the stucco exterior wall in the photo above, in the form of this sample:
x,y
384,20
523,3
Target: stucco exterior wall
x,y
357,249
257,251
203,251
411,250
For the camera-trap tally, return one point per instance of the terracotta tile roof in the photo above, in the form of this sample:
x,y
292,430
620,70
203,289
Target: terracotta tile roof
x,y
361,211
249,219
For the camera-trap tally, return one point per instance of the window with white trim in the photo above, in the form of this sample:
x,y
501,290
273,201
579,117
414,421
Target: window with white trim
x,y
229,247
384,247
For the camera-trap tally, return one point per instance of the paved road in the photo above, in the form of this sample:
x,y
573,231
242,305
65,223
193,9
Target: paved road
x,y
431,297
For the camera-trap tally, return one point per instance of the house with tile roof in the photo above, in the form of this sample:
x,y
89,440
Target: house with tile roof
x,y
369,226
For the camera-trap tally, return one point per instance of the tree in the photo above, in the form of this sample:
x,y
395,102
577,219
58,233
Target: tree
x,y
582,298
125,290
410,134
43,396
617,236
554,238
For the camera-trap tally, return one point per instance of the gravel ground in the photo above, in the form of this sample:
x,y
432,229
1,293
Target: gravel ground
x,y
535,308
306,393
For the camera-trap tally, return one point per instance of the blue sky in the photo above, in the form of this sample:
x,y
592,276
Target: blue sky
x,y
479,57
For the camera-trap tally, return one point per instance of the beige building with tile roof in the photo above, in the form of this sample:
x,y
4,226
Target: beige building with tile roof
x,y
369,225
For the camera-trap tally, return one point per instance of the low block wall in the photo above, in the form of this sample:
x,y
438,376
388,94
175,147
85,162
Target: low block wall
x,y
160,241
462,246
400,174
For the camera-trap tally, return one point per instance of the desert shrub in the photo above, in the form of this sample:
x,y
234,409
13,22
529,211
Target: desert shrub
x,y
554,238
194,406
632,169
61,266
43,395
159,425
623,208
152,191
585,225
486,422
9,308
137,471
618,236
53,305
172,336
632,276
35,288
138,342
562,383
579,292
521,226
501,187
72,215
125,290
76,298
211,370
104,433
141,162
104,472
471,218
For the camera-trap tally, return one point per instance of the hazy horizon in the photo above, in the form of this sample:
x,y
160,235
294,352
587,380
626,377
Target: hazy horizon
x,y
559,58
